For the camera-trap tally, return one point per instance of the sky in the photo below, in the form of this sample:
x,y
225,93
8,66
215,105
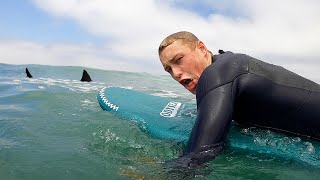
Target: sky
x,y
125,34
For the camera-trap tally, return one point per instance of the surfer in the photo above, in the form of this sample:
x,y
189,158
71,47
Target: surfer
x,y
231,86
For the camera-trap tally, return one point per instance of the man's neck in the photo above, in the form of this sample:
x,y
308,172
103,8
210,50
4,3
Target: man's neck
x,y
210,59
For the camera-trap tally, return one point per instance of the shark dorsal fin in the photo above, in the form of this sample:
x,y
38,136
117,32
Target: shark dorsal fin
x,y
28,73
85,77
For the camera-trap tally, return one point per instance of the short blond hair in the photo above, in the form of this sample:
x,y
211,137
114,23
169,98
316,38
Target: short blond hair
x,y
185,37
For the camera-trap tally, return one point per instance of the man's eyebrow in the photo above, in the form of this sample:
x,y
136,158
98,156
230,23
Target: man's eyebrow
x,y
165,65
173,58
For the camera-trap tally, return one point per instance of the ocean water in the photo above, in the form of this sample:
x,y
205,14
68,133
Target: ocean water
x,y
51,127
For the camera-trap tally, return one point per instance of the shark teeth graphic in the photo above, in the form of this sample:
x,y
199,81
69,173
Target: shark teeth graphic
x,y
106,101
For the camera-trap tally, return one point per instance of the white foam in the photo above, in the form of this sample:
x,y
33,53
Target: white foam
x,y
165,93
72,85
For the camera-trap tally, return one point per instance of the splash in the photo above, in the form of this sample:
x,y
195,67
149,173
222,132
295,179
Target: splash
x,y
292,147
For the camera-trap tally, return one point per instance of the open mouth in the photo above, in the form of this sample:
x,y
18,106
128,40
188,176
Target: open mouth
x,y
186,82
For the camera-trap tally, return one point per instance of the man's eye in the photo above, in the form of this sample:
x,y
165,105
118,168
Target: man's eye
x,y
179,60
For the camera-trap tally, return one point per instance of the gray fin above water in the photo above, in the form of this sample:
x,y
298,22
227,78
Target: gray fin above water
x,y
85,77
28,73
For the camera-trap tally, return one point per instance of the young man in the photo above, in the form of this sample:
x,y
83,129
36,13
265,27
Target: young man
x,y
237,87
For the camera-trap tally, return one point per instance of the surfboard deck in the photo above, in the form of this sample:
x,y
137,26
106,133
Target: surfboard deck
x,y
167,119
160,117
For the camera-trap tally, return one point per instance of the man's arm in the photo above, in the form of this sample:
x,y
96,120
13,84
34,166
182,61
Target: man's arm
x,y
214,117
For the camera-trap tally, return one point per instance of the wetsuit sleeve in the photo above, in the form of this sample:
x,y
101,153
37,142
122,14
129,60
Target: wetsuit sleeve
x,y
212,125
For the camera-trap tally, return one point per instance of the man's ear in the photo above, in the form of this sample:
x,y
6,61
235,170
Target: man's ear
x,y
202,47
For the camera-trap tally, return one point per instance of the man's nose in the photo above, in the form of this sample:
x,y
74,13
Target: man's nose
x,y
176,73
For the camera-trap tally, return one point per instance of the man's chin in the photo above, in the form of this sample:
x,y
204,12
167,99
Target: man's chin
x,y
193,91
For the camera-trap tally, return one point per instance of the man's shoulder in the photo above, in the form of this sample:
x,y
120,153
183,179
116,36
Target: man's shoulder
x,y
225,69
228,63
229,56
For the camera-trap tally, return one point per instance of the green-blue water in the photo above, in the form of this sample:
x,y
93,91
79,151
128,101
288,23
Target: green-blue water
x,y
51,127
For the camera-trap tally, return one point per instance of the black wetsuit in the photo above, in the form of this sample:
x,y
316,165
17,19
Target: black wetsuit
x,y
251,92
